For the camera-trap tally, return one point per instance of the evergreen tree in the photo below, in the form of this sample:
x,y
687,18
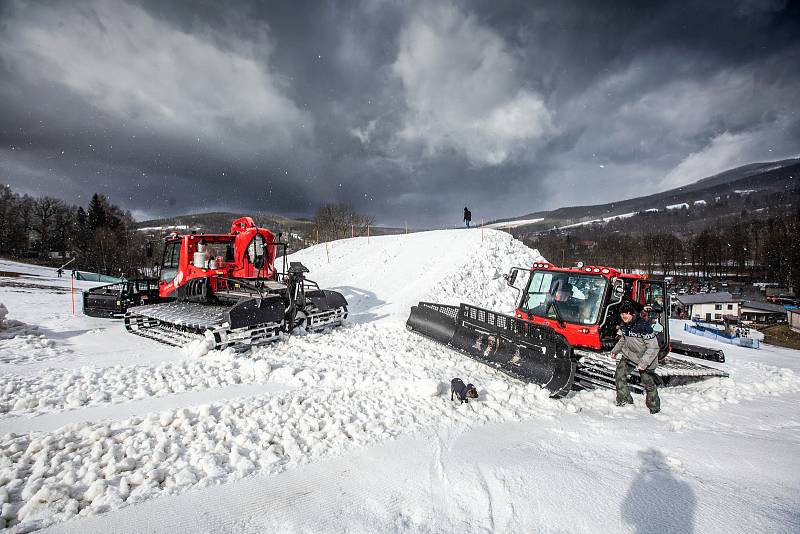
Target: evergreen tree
x,y
97,211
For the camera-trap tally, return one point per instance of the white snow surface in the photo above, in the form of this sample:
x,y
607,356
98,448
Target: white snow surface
x,y
353,430
513,224
603,220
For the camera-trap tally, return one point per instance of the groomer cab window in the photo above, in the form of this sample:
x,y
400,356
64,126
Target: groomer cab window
x,y
575,297
169,264
257,251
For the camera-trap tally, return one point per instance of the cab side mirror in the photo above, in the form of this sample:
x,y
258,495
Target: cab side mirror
x,y
619,287
511,277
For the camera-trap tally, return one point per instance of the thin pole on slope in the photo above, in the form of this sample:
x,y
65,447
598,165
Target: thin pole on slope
x,y
406,226
481,229
70,261
326,252
352,230
72,293
367,234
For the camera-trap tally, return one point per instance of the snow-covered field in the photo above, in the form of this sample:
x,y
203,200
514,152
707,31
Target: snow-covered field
x,y
353,430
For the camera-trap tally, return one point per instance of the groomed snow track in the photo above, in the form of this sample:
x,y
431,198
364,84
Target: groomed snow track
x,y
598,369
178,323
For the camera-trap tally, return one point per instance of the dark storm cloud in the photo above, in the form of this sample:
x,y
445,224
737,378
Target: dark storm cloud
x,y
407,110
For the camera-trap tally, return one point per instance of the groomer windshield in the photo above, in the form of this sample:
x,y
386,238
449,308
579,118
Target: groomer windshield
x,y
577,297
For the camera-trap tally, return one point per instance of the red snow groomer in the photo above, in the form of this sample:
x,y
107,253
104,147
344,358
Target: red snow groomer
x,y
564,327
225,288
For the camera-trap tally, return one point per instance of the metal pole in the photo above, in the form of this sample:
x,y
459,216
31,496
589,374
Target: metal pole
x,y
72,293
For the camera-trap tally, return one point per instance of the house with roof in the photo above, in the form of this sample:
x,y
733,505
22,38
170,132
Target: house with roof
x,y
708,306
794,319
762,312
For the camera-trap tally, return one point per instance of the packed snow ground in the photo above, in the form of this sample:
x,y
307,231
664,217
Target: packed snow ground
x,y
353,430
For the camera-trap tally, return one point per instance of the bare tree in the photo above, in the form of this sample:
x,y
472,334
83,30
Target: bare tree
x,y
338,221
46,211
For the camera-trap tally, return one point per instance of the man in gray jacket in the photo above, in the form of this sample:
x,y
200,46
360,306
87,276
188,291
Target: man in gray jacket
x,y
637,348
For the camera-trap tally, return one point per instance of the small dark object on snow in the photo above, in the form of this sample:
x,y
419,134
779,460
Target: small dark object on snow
x,y
464,392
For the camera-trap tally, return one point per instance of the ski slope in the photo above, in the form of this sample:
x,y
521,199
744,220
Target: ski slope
x,y
353,431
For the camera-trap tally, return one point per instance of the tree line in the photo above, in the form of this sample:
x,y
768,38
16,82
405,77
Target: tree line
x,y
768,249
102,237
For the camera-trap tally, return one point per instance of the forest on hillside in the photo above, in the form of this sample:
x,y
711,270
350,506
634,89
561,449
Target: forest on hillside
x,y
47,230
745,247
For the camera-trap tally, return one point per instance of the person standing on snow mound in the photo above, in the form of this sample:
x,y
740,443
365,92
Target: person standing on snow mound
x,y
467,216
637,348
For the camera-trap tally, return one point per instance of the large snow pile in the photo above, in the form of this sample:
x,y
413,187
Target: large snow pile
x,y
353,429
382,277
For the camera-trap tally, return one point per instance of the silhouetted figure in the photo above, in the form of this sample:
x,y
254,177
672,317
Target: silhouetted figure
x,y
60,272
657,501
467,216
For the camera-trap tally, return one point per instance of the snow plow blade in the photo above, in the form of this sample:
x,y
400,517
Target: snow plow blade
x,y
529,352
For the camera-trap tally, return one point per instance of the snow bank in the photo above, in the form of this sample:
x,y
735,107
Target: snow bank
x,y
513,224
382,277
62,389
358,385
21,343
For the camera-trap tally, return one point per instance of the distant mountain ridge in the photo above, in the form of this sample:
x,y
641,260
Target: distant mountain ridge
x,y
220,223
762,178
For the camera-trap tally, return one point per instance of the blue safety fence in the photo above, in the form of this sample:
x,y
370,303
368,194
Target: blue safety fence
x,y
720,335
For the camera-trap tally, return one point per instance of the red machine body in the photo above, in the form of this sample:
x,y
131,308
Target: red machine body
x,y
592,327
565,324
247,252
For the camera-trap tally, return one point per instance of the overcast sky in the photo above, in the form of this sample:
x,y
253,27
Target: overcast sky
x,y
407,110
